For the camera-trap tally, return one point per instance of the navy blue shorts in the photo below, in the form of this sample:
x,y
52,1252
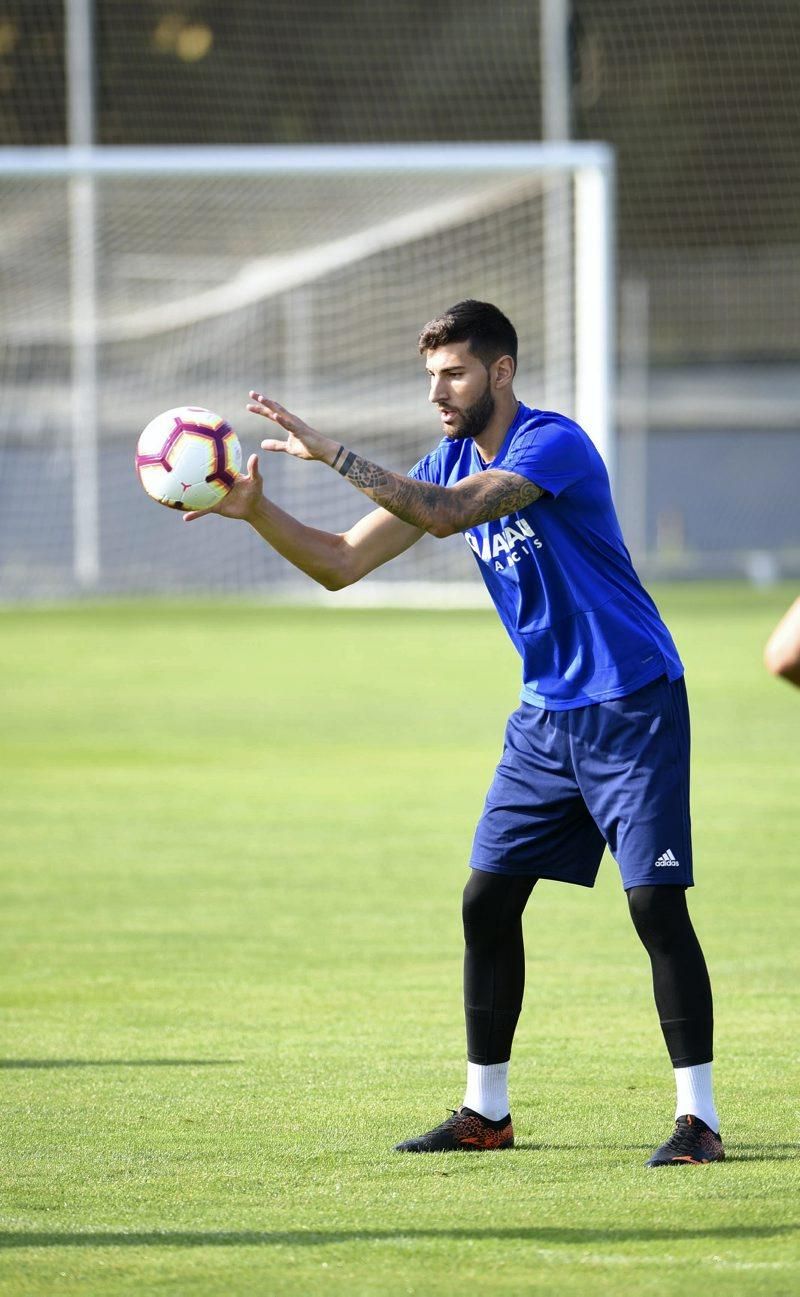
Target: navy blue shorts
x,y
571,782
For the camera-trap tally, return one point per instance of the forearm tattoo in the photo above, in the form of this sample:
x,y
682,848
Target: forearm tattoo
x,y
492,494
347,462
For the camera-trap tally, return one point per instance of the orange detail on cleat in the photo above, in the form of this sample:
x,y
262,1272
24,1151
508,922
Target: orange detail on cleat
x,y
465,1130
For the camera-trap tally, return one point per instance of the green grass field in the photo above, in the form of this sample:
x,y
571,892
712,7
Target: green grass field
x,y
234,840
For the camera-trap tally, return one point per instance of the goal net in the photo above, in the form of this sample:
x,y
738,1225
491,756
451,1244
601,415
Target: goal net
x,y
134,280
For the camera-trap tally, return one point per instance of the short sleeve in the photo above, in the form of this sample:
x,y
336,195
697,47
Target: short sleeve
x,y
425,470
552,455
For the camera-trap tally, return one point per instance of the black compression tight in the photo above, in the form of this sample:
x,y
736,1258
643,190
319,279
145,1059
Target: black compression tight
x,y
494,967
494,962
680,978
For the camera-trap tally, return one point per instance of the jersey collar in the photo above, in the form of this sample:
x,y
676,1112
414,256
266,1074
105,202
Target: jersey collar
x,y
506,442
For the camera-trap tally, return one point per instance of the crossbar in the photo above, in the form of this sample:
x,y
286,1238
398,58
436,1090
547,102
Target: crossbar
x,y
292,159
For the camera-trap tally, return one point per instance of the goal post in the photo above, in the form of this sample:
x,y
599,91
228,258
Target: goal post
x,y
144,278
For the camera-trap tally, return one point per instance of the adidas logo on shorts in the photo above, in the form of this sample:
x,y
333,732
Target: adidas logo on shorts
x,y
666,860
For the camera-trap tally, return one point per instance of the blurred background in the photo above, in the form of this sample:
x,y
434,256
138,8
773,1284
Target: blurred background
x,y
124,294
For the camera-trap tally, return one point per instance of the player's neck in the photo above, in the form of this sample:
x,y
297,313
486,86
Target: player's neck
x,y
493,435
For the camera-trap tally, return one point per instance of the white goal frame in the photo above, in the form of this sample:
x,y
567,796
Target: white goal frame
x,y
590,166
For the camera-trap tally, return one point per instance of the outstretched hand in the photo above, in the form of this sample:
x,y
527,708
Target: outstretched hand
x,y
242,499
303,442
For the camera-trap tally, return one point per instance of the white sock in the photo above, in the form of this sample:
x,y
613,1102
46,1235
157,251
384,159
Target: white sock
x,y
487,1090
695,1094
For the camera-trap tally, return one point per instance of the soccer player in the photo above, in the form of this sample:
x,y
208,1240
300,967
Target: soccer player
x,y
598,751
782,649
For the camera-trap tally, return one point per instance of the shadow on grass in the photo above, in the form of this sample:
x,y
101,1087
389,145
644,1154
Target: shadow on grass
x,y
532,1147
317,1238
739,1153
115,1062
764,1153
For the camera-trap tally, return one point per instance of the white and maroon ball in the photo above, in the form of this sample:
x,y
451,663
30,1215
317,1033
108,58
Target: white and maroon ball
x,y
188,458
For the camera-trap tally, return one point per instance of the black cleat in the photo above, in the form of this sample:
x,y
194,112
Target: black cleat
x,y
465,1129
692,1141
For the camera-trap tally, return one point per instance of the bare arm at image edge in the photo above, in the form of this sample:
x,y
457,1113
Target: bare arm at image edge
x,y
782,649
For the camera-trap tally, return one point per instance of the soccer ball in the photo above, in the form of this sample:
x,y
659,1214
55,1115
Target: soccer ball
x,y
188,458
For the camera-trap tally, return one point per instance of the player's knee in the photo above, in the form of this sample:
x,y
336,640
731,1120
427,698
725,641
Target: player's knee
x,y
477,908
491,904
660,915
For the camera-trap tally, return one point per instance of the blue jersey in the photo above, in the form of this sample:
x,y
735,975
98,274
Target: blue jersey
x,y
558,571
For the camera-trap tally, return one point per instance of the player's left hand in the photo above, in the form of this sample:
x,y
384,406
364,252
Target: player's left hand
x,y
303,442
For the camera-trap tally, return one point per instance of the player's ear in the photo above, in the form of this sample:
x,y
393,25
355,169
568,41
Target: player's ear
x,y
503,371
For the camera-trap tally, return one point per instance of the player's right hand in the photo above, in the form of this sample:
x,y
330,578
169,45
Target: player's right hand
x,y
241,501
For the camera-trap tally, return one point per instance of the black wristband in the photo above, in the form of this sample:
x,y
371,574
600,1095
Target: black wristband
x,y
347,463
336,457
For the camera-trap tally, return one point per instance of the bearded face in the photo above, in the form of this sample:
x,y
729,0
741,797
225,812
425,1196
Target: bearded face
x,y
468,420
